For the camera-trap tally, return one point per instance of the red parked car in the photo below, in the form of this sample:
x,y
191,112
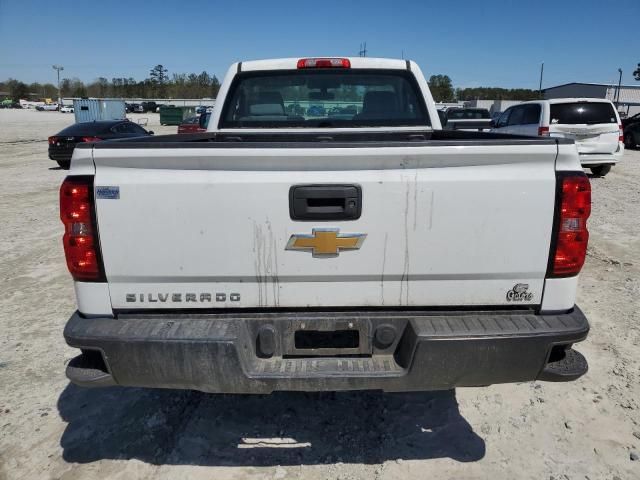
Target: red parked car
x,y
191,125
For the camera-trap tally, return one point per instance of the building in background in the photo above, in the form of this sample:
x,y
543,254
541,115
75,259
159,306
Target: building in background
x,y
628,99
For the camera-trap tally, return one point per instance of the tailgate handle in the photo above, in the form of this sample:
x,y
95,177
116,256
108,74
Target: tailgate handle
x,y
325,202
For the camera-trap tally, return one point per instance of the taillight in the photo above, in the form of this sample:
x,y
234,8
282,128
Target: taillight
x,y
52,140
80,238
620,134
543,131
90,139
571,235
324,63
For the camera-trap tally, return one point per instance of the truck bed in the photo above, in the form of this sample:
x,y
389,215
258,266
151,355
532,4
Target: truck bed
x,y
323,139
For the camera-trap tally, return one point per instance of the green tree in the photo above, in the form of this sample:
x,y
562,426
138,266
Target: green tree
x,y
204,79
65,87
77,88
636,73
103,87
492,93
215,87
159,77
441,88
17,90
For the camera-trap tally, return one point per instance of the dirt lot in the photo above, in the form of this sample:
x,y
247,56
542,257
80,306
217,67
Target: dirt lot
x,y
51,429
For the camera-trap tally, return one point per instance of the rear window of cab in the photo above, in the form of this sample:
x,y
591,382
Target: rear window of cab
x,y
324,98
589,113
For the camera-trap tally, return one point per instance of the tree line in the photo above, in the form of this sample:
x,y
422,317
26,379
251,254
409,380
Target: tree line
x,y
442,91
159,84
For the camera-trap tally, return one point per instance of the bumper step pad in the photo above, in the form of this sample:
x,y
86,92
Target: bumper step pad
x,y
571,367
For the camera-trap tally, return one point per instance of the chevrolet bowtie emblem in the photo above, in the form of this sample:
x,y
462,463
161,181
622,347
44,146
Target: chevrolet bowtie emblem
x,y
326,242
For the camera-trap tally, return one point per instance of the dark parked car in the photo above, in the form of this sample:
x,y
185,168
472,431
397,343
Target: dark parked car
x,y
468,114
61,145
631,120
134,108
632,135
149,106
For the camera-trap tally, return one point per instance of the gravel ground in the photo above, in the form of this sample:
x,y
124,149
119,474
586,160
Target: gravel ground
x,y
588,429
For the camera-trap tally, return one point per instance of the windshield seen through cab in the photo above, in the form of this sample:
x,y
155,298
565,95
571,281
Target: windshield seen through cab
x,y
324,99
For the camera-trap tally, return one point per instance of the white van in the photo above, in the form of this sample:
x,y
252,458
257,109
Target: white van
x,y
593,123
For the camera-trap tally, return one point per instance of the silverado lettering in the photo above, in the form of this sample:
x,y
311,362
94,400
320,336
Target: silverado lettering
x,y
177,297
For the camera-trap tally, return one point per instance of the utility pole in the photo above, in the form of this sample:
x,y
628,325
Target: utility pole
x,y
619,85
541,72
58,68
363,49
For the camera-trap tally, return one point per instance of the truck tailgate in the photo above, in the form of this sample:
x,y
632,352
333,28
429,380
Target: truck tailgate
x,y
208,227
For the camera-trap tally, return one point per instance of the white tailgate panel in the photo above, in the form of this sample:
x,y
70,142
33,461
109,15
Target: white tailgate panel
x,y
445,226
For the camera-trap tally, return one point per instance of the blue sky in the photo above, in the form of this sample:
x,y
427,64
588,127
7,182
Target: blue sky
x,y
477,43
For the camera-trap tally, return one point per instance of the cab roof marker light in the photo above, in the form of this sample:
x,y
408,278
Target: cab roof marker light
x,y
324,63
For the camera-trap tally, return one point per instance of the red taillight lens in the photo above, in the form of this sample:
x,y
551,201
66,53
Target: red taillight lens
x,y
543,131
572,236
90,139
324,63
621,134
52,140
80,238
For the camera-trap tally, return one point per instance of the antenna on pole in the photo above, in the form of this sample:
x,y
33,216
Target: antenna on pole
x,y
363,49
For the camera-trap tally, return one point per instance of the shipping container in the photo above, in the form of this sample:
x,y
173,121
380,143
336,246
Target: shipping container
x,y
92,109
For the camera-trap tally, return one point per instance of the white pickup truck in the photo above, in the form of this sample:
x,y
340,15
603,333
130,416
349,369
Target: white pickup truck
x,y
325,234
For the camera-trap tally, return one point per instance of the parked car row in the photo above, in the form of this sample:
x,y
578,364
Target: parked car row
x,y
143,107
593,123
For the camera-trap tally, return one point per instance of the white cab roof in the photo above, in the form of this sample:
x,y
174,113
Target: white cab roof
x,y
292,63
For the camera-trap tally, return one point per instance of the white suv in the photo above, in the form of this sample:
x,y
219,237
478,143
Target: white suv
x,y
592,123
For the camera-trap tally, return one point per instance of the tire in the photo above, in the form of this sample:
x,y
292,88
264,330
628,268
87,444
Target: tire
x,y
64,165
630,141
600,170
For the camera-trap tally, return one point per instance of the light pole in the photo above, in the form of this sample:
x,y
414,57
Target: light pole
x,y
619,84
540,85
58,68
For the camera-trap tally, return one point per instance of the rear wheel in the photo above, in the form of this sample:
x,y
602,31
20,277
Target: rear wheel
x,y
64,165
630,140
600,170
